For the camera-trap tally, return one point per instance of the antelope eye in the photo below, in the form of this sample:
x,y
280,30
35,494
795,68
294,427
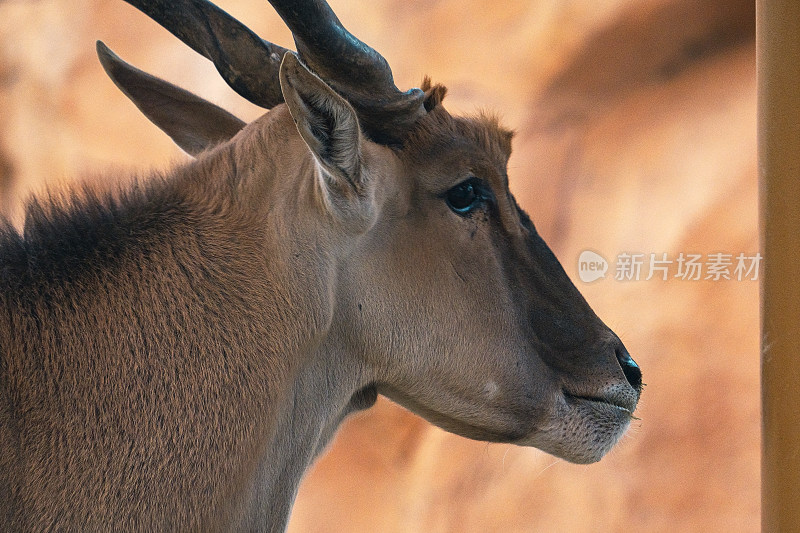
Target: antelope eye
x,y
465,196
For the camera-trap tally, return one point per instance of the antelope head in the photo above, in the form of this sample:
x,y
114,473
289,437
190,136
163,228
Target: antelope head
x,y
427,273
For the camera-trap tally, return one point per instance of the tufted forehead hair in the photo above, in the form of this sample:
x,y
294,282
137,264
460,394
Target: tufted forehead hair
x,y
438,127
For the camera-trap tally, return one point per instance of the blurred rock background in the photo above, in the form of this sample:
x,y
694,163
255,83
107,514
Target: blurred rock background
x,y
635,126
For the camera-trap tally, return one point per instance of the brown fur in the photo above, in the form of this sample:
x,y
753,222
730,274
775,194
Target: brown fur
x,y
176,357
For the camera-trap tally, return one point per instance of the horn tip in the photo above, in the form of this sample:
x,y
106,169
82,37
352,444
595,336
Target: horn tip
x,y
104,53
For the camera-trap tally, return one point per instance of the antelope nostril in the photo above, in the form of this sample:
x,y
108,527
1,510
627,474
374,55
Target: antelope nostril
x,y
629,367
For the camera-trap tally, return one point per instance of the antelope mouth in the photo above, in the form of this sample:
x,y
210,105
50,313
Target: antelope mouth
x,y
585,427
623,405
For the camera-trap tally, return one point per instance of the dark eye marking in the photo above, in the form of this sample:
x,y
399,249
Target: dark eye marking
x,y
467,196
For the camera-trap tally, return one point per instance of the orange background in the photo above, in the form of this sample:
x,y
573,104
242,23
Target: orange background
x,y
635,126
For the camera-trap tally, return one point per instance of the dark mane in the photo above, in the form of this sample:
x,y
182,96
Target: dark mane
x,y
68,234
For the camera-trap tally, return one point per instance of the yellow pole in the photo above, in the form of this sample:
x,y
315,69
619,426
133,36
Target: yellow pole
x,y
778,67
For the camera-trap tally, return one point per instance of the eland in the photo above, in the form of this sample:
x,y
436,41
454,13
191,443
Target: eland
x,y
175,354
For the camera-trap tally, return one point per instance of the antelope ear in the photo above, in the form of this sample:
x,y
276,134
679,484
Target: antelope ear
x,y
325,120
193,123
